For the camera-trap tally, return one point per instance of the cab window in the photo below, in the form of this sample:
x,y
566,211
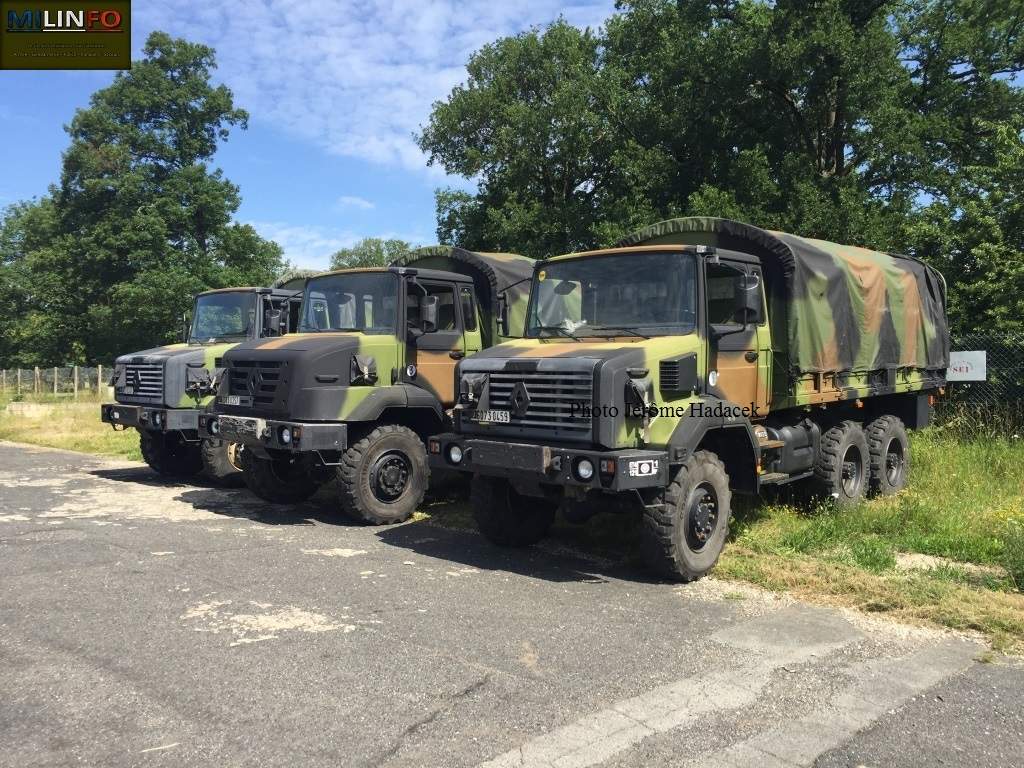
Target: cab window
x,y
445,305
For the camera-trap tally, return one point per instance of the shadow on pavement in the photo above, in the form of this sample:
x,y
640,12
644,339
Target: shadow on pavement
x,y
551,560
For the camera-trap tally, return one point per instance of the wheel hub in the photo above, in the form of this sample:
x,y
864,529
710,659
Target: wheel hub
x,y
894,462
702,515
389,476
852,472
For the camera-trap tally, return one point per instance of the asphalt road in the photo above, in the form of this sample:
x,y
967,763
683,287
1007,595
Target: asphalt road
x,y
149,623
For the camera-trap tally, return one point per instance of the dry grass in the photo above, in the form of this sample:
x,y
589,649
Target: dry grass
x,y
71,426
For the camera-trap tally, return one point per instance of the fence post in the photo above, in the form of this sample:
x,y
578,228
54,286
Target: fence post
x,y
19,381
36,378
99,380
76,382
54,382
5,379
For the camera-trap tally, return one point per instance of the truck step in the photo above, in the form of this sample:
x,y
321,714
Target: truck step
x,y
781,478
771,444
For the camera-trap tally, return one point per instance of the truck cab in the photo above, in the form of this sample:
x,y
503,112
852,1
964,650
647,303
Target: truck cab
x,y
367,378
161,391
702,357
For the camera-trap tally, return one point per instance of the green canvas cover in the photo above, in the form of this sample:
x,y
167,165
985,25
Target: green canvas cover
x,y
839,308
493,274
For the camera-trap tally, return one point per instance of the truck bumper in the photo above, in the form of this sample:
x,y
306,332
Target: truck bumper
x,y
621,470
294,436
149,418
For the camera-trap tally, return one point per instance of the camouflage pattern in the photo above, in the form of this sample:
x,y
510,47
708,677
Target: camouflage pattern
x,y
493,274
836,309
311,356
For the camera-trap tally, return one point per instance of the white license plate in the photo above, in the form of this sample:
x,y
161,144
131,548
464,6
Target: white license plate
x,y
500,417
231,400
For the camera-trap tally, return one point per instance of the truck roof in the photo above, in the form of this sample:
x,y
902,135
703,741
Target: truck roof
x,y
430,274
249,289
734,255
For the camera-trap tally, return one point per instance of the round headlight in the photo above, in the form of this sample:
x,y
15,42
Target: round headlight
x,y
584,469
157,418
214,427
286,435
455,454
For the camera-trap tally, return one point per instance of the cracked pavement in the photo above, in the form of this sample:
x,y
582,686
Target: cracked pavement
x,y
144,622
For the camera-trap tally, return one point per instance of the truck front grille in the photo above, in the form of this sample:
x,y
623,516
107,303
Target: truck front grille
x,y
142,381
258,379
557,401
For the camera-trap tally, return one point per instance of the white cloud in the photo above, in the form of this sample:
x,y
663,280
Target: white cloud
x,y
354,201
356,78
311,247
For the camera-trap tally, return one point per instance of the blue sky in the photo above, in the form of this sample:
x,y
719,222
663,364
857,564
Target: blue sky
x,y
335,90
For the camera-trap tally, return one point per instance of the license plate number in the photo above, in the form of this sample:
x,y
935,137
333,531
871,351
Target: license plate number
x,y
231,400
239,427
499,417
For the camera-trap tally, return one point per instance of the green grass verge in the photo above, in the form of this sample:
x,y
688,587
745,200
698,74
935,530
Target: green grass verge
x,y
72,426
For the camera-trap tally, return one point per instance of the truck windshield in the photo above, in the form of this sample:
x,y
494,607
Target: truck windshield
x,y
352,301
643,293
231,314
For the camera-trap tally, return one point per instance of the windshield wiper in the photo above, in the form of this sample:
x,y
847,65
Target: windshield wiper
x,y
558,329
618,328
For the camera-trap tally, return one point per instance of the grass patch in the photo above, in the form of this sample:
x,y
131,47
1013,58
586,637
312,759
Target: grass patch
x,y
71,426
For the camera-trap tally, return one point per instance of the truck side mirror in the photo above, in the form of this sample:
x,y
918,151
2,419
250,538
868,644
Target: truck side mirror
x,y
502,317
428,314
186,327
272,322
749,310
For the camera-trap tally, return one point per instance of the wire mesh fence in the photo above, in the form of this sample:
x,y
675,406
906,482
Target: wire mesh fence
x,y
60,383
994,406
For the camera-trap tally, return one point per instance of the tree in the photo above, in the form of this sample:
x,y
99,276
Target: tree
x,y
871,123
140,222
370,252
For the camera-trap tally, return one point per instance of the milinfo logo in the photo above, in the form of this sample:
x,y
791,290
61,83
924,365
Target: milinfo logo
x,y
92,20
65,34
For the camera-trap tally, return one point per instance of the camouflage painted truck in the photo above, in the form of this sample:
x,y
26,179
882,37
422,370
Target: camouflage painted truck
x,y
367,378
161,391
699,358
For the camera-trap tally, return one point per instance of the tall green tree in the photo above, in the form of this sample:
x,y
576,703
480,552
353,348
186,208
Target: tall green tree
x,y
884,123
140,221
370,252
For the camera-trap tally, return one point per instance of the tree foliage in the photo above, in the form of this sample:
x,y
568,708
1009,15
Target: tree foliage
x,y
370,252
138,223
894,124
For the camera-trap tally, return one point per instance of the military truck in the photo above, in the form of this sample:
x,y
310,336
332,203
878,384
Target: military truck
x,y
161,391
369,375
698,358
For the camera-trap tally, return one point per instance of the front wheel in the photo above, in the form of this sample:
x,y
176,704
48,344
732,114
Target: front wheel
x,y
222,461
683,535
283,480
383,477
170,454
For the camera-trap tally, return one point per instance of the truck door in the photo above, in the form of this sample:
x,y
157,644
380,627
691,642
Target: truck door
x,y
436,354
736,354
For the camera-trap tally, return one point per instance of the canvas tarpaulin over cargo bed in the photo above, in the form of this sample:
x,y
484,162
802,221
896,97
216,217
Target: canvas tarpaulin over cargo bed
x,y
493,274
836,307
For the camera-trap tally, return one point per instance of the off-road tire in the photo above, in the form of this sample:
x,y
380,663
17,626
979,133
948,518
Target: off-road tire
x,y
286,480
505,517
836,445
217,462
169,454
668,536
887,439
389,459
